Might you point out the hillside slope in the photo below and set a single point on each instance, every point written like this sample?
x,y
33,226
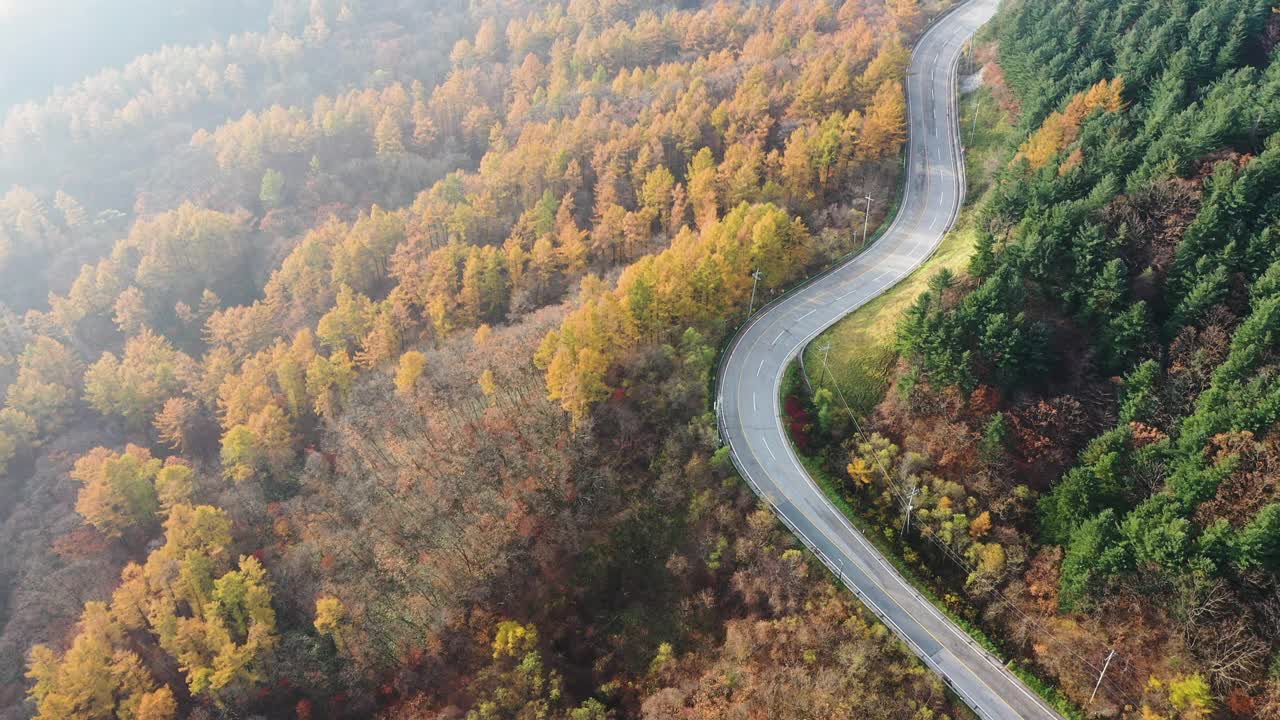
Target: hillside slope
x,y
1087,414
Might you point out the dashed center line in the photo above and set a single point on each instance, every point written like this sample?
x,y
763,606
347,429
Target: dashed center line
x,y
909,244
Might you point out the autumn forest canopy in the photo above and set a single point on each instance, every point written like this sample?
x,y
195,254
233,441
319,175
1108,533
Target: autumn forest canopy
x,y
356,359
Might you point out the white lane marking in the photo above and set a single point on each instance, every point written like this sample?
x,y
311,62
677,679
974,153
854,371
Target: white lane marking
x,y
928,608
808,314
842,544
872,281
753,403
761,366
775,340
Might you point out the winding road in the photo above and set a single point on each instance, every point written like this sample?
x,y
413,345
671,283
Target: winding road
x,y
751,377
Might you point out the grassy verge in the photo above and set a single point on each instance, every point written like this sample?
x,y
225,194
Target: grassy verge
x,y
862,353
988,135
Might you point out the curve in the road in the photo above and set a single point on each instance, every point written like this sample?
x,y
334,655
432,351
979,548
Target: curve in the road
x,y
748,400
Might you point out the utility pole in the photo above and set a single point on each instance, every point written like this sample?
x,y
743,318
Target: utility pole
x,y
825,348
755,280
911,499
977,108
1104,672
866,220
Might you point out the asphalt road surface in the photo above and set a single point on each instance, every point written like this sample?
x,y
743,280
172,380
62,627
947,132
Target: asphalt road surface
x,y
749,406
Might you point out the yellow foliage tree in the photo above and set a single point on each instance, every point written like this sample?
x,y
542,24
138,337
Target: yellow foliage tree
x,y
514,640
329,380
136,386
890,63
119,489
17,432
175,422
905,14
264,443
158,705
487,384
981,525
412,365
174,485
861,471
216,621
696,280
1191,696
1060,129
96,677
47,384
884,128
331,614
